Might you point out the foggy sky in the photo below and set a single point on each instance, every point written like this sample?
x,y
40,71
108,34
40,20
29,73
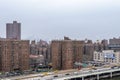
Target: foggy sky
x,y
54,19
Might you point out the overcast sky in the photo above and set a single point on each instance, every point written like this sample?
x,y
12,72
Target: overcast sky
x,y
54,19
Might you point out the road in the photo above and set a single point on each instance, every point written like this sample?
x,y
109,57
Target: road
x,y
61,75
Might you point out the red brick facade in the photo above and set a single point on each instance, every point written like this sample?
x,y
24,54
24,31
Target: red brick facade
x,y
65,53
14,54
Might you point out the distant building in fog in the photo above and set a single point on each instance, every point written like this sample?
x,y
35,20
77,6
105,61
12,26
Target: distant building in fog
x,y
88,50
14,55
114,44
101,45
40,50
13,30
114,41
104,44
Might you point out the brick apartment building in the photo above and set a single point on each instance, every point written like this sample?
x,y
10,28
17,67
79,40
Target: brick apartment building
x,y
14,55
65,53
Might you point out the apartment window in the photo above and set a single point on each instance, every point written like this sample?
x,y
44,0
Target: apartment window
x,y
98,56
95,56
112,60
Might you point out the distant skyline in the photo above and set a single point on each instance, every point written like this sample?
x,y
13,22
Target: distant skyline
x,y
54,19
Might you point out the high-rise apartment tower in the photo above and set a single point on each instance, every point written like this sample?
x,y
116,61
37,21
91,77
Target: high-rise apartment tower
x,y
13,30
14,55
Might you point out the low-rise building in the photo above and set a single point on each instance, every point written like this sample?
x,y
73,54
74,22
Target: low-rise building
x,y
108,56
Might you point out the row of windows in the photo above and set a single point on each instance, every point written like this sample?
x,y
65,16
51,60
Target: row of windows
x,y
100,56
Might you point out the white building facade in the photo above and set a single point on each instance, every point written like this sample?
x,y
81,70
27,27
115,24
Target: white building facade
x,y
108,56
